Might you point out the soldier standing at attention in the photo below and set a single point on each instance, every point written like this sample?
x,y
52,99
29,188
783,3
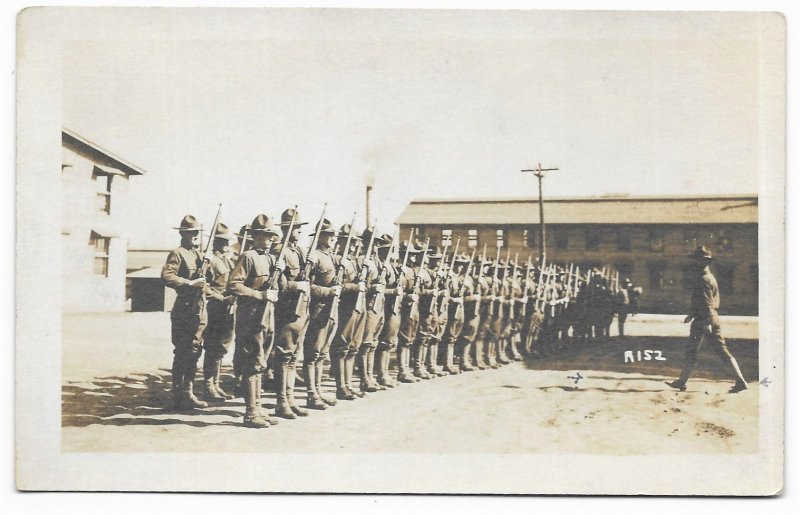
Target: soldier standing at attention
x,y
705,322
409,313
321,322
291,319
374,317
218,336
249,282
189,316
352,316
391,312
483,289
428,318
455,315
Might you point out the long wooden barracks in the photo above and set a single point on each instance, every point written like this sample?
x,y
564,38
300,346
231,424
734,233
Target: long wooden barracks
x,y
646,238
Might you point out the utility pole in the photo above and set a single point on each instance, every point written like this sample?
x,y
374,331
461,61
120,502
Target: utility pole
x,y
539,173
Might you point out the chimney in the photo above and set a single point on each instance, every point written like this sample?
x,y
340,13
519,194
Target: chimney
x,y
367,210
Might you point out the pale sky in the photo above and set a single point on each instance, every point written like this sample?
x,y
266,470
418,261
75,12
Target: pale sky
x,y
304,107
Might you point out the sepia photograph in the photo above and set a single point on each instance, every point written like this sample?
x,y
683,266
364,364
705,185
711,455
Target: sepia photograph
x,y
363,250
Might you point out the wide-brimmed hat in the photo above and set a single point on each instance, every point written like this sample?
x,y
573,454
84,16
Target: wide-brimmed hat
x,y
434,252
325,227
344,232
383,241
244,232
404,248
223,232
500,264
189,224
263,223
702,254
463,258
286,218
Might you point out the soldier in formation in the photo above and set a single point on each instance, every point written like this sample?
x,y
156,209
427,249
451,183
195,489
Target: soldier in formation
x,y
360,299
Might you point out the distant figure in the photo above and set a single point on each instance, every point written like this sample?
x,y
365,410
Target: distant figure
x,y
623,305
705,322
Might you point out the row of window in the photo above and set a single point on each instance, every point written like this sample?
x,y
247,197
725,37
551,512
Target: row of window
x,y
660,278
592,238
101,245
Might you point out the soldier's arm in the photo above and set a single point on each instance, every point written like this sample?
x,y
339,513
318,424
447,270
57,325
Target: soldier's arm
x,y
351,283
236,281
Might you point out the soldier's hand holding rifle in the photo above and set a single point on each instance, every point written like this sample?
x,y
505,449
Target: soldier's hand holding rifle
x,y
270,295
336,291
198,283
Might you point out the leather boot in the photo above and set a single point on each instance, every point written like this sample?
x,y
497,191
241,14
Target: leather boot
x,y
429,364
342,392
291,376
189,399
282,407
217,373
384,377
419,362
320,371
371,370
177,385
449,358
465,363
313,400
252,410
349,368
403,373
438,357
364,368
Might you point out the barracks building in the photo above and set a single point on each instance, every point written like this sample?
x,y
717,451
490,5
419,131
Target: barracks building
x,y
95,186
645,238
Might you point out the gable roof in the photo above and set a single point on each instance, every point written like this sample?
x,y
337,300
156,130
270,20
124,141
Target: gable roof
x,y
612,209
75,141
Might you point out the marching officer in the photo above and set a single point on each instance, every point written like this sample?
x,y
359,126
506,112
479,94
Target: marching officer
x,y
249,282
322,322
705,322
291,318
218,335
189,317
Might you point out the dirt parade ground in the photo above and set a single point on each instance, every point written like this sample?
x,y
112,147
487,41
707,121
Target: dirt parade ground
x,y
116,380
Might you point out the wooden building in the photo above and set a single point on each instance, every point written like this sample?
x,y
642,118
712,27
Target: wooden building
x,y
95,187
646,238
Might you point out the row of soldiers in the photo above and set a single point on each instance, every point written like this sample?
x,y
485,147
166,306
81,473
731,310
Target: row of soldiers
x,y
356,300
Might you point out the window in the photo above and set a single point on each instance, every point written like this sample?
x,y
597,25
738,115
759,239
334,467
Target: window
x,y
101,245
561,237
688,278
656,239
623,239
656,276
501,238
690,239
592,239
447,237
472,238
625,271
102,182
529,238
754,278
723,241
725,278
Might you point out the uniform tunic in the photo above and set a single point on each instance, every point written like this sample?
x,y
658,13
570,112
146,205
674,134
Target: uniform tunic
x,y
455,310
374,317
352,310
218,336
254,316
189,316
292,310
409,311
471,310
428,321
391,324
321,323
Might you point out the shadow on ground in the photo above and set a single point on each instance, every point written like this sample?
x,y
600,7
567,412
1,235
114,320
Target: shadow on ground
x,y
609,356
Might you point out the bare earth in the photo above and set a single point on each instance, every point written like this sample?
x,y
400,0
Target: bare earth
x,y
586,400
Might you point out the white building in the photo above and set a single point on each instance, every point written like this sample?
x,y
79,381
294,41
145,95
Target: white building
x,y
95,185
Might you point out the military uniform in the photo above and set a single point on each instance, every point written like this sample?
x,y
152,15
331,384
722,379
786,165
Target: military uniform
x,y
706,324
322,323
219,333
388,338
291,321
455,314
374,316
484,289
255,318
351,320
428,318
471,321
189,316
409,318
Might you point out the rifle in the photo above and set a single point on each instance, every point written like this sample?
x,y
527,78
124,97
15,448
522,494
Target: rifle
x,y
363,274
423,262
272,281
305,267
209,250
339,276
399,297
467,273
513,278
382,270
449,270
494,282
527,287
